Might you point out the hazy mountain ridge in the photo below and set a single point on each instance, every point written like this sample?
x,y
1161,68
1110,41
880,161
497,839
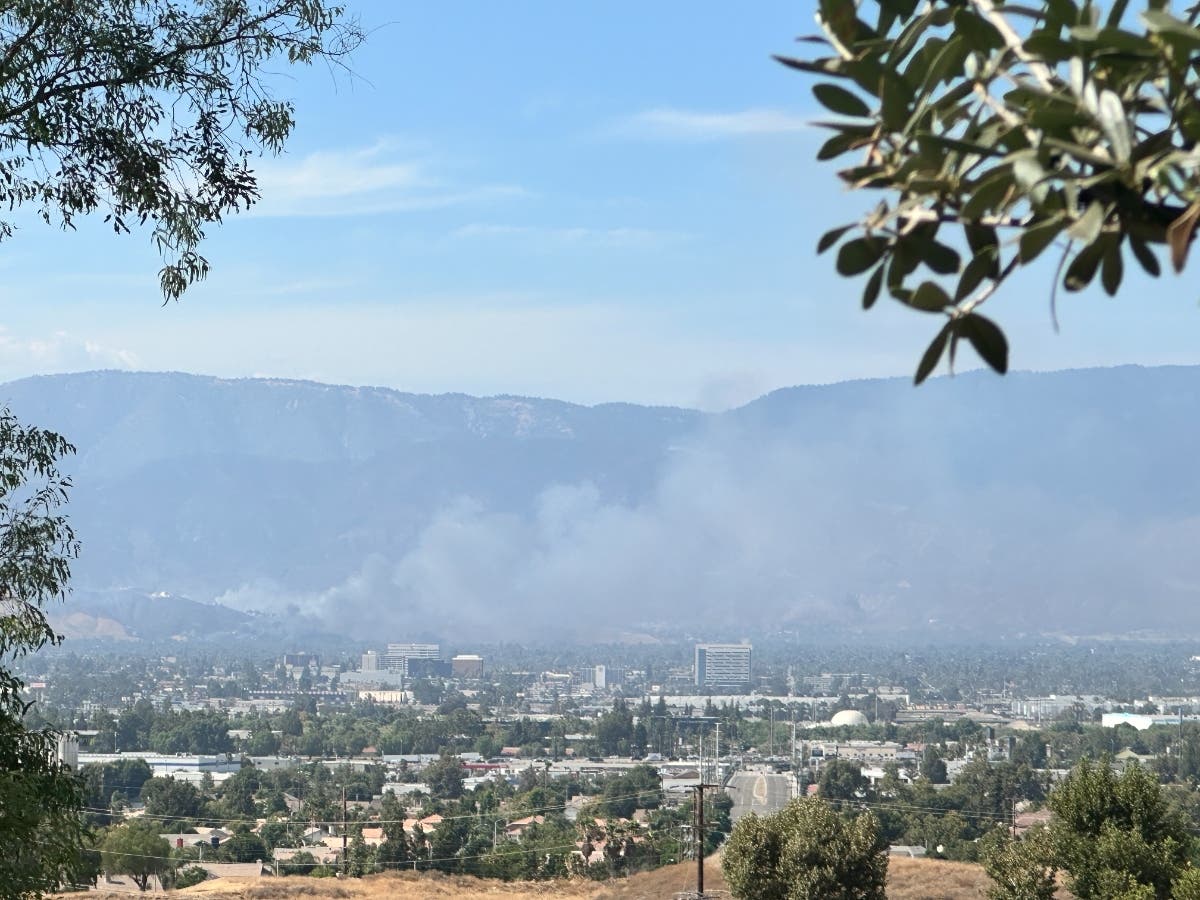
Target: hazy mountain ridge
x,y
1037,500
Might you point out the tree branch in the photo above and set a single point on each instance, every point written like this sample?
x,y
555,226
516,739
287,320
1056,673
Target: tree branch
x,y
1013,40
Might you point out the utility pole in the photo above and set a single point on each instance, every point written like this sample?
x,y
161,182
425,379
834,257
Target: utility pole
x,y
345,837
698,815
717,754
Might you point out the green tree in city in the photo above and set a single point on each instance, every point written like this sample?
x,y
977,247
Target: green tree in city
x,y
1114,837
1020,869
136,850
933,766
361,860
101,781
842,779
806,851
189,876
991,133
170,799
1117,833
243,847
445,777
301,863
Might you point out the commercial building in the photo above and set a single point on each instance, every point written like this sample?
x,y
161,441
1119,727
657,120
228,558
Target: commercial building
x,y
467,665
420,667
722,665
396,656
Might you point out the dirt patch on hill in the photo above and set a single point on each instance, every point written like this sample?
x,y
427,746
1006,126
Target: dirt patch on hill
x,y
908,879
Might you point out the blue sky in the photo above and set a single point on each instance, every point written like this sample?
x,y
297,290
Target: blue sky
x,y
591,201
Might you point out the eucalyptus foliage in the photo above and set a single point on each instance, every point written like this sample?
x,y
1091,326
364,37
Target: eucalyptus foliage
x,y
997,132
150,111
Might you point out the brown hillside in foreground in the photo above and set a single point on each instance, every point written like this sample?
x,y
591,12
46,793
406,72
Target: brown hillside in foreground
x,y
908,879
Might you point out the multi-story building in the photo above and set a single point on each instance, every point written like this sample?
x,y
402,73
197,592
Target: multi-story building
x,y
722,665
467,665
370,661
396,656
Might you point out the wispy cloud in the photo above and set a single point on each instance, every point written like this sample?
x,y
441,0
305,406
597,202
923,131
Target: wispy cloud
x,y
617,238
695,125
363,181
58,352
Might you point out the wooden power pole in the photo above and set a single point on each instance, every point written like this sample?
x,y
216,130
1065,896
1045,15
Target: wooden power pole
x,y
698,814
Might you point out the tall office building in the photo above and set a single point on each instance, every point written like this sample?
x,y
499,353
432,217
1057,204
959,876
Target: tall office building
x,y
467,665
370,661
723,665
396,656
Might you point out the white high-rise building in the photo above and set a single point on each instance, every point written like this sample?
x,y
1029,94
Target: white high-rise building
x,y
396,656
370,661
723,665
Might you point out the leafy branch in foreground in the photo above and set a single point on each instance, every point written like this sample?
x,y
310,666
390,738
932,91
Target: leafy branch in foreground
x,y
41,832
997,131
149,111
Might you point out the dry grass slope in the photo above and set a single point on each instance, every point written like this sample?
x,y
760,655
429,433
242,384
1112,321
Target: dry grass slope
x,y
908,879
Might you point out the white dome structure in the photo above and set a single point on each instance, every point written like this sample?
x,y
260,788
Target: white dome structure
x,y
848,717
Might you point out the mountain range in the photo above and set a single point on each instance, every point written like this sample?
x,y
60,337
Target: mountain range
x,y
975,504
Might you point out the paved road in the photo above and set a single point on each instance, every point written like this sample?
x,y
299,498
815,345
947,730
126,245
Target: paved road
x,y
758,792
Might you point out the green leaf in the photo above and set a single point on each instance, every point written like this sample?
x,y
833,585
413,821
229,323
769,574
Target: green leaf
x,y
951,143
1116,40
907,39
1048,47
983,265
1087,227
988,194
829,238
841,19
1116,12
905,259
858,255
1056,116
849,139
941,259
932,354
929,297
896,99
1038,237
1112,269
831,66
948,60
1145,256
841,101
1027,171
979,34
871,291
987,339
1159,21
1060,13
981,238
1083,267
1111,114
